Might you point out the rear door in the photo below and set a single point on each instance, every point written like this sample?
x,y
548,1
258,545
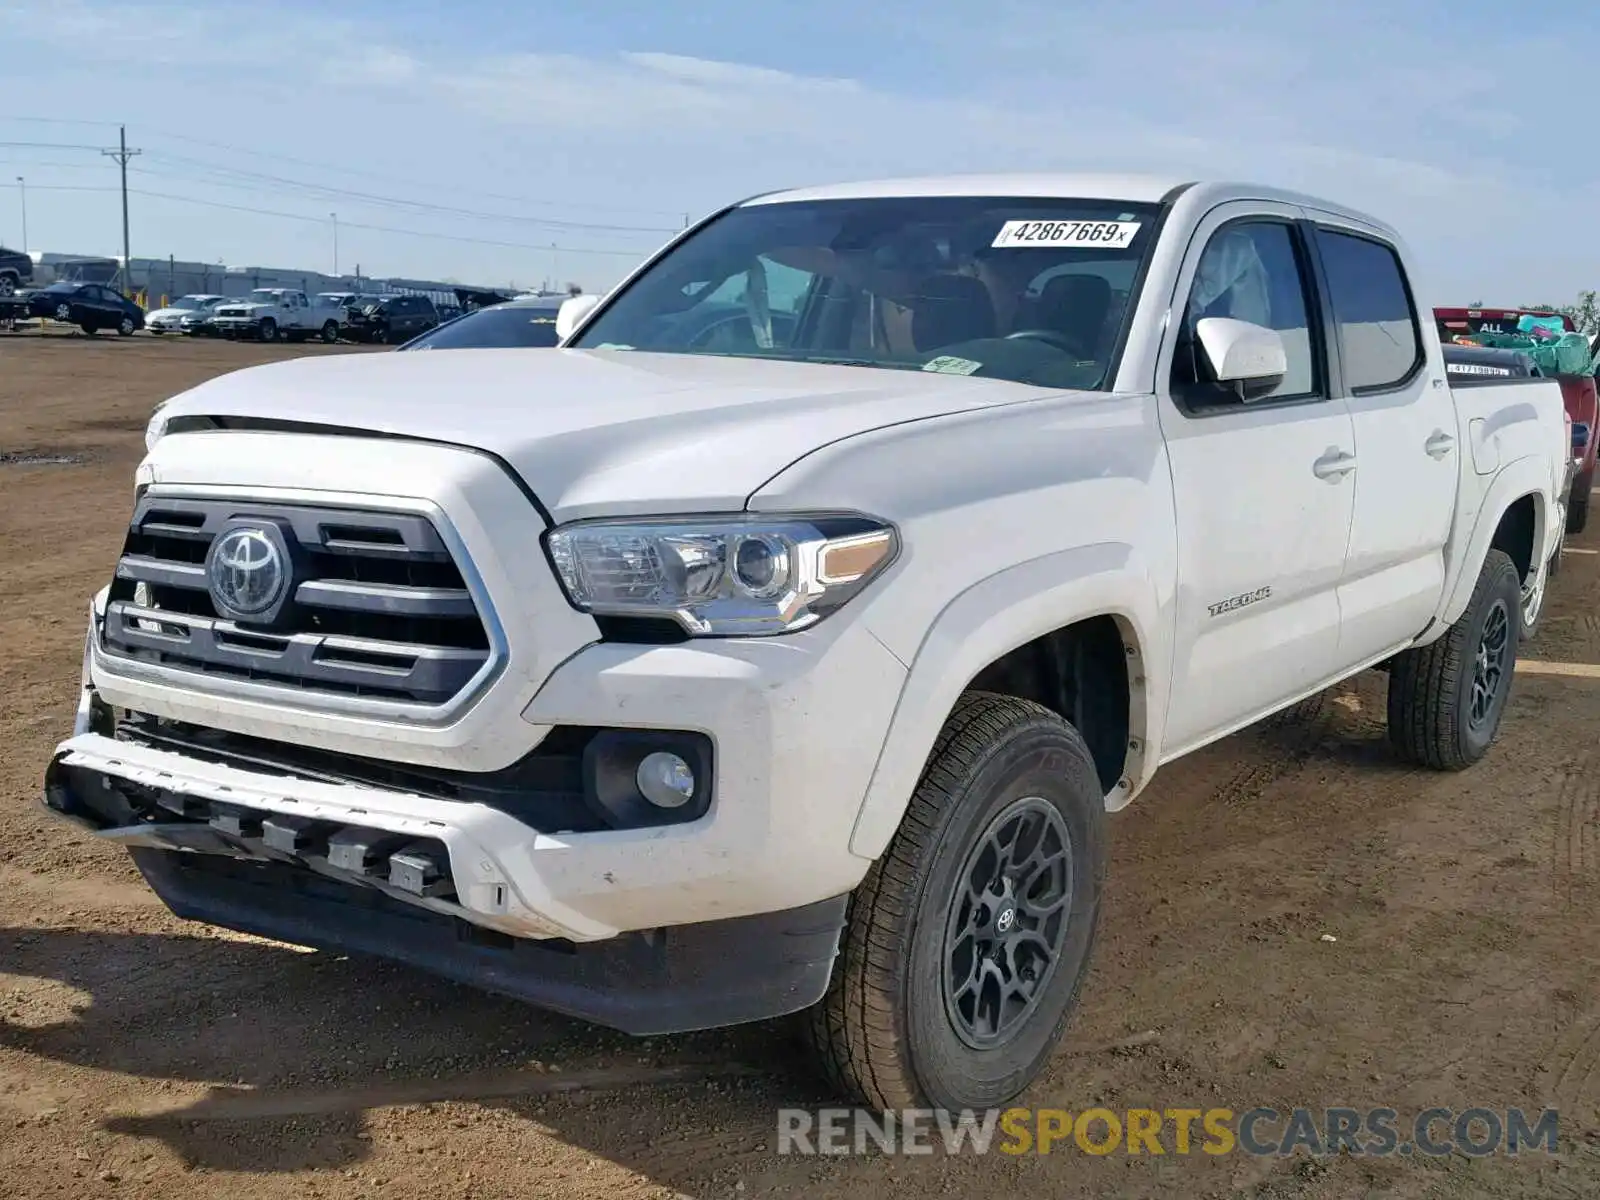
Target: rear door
x,y
1407,446
1262,494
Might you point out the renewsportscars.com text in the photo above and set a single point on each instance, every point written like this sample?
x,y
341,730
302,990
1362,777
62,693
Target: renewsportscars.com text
x,y
1381,1132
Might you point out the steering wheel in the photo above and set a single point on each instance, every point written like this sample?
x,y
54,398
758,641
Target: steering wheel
x,y
1050,337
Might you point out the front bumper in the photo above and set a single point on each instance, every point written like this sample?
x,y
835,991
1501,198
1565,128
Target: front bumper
x,y
236,326
796,725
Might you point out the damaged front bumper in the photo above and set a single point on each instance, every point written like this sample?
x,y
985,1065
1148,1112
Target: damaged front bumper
x,y
272,857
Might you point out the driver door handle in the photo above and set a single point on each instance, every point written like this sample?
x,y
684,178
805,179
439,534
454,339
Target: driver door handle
x,y
1440,444
1334,465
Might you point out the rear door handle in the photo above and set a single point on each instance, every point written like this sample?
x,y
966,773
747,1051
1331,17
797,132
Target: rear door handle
x,y
1334,465
1440,444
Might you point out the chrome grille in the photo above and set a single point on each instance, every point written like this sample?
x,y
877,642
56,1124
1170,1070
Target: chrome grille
x,y
377,605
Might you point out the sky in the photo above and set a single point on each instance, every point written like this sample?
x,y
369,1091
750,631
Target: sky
x,y
523,141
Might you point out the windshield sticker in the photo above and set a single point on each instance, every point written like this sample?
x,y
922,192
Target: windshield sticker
x,y
613,346
1101,235
949,364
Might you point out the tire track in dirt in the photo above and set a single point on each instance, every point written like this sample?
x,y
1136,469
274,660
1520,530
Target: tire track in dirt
x,y
1564,1076
1572,848
1277,748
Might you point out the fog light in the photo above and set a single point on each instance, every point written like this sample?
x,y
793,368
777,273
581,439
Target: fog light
x,y
665,780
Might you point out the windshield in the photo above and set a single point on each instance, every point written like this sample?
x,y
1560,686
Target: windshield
x,y
503,327
1030,290
192,303
260,296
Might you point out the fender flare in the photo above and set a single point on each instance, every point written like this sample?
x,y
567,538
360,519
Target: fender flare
x,y
1521,477
993,617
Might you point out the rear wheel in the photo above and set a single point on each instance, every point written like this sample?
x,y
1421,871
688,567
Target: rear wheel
x,y
967,942
330,332
1446,699
1578,502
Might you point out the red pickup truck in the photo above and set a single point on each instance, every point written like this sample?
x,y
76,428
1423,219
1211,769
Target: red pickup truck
x,y
1579,392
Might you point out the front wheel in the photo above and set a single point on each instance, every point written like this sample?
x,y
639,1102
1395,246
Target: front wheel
x,y
967,942
125,327
1446,699
269,330
330,332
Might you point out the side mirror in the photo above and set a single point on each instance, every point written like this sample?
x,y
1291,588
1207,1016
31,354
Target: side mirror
x,y
571,314
1249,357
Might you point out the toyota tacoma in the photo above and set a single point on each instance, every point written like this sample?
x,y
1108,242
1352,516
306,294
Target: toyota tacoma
x,y
782,641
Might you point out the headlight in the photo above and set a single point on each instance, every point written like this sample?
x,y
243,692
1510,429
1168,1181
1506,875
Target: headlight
x,y
742,575
156,427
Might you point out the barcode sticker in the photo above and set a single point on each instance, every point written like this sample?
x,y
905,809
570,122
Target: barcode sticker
x,y
1100,235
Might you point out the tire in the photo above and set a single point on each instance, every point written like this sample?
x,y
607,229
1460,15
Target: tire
x,y
888,1033
8,284
63,312
1578,502
330,333
1433,721
269,330
125,327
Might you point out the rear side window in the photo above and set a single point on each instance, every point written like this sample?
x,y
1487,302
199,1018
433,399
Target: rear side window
x,y
1378,327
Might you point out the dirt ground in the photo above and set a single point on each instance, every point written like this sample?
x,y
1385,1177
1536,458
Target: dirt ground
x,y
145,1056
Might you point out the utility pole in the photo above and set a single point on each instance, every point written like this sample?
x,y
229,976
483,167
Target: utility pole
x,y
22,187
122,154
335,217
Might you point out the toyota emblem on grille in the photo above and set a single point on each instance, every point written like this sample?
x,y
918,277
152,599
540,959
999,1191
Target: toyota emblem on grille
x,y
247,573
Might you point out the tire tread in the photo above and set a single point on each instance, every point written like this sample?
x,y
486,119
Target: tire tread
x,y
853,1031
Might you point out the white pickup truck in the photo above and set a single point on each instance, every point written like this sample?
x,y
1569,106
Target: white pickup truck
x,y
273,313
780,643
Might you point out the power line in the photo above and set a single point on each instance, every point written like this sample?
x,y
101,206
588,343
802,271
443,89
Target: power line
x,y
447,237
394,201
59,121
383,178
288,216
48,146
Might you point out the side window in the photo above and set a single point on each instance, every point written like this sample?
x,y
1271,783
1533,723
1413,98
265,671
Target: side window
x,y
1250,271
1378,328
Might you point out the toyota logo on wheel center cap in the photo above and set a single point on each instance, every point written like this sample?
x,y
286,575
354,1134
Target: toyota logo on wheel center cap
x,y
246,573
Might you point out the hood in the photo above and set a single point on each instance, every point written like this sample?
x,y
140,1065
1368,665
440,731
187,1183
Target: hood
x,y
595,432
244,305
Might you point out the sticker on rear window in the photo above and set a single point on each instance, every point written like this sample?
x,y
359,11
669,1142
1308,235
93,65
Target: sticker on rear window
x,y
1102,235
949,364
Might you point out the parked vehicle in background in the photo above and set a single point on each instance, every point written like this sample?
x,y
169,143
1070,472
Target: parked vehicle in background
x,y
271,314
1579,392
16,271
695,673
170,318
90,306
517,323
390,320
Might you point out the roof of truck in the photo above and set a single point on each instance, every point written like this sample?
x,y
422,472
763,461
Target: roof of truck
x,y
1133,188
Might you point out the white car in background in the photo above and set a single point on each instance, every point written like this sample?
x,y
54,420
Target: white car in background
x,y
170,319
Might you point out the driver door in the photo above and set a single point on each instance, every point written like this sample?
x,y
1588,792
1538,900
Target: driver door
x,y
1262,500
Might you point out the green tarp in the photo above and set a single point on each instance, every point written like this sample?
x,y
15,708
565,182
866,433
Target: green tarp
x,y
1565,355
